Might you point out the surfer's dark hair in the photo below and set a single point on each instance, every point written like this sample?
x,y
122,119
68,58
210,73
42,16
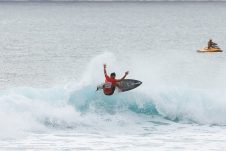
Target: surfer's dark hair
x,y
113,74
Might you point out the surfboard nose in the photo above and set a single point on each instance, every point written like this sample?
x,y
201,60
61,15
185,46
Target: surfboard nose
x,y
137,83
129,84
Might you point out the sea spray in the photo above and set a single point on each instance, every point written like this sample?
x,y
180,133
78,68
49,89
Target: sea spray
x,y
78,106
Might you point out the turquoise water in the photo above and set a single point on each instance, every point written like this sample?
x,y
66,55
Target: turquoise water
x,y
51,61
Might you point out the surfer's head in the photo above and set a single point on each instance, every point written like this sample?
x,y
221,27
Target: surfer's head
x,y
113,75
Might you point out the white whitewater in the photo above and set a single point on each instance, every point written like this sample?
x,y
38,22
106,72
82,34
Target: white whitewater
x,y
51,63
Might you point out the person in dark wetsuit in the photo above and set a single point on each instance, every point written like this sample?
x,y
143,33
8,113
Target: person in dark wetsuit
x,y
111,82
211,44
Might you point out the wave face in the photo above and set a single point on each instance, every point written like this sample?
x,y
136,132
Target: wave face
x,y
78,106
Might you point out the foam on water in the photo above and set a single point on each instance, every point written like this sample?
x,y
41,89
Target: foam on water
x,y
78,106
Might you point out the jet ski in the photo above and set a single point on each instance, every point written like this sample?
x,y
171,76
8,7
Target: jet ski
x,y
211,49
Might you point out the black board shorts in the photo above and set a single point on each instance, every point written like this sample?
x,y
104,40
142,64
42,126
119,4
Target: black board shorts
x,y
112,91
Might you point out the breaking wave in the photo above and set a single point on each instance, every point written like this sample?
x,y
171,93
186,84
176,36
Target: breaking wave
x,y
79,106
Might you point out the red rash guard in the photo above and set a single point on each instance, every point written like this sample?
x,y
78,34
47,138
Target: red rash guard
x,y
108,84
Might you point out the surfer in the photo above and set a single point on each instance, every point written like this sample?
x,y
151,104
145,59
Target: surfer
x,y
211,44
111,82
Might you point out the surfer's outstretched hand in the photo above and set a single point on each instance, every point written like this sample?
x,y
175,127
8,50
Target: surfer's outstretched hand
x,y
105,65
127,72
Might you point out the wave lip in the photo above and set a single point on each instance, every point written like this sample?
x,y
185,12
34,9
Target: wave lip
x,y
192,106
81,109
86,99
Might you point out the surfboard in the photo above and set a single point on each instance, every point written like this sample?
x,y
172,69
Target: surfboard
x,y
129,84
125,85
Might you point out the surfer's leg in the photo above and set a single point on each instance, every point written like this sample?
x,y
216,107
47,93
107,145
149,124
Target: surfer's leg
x,y
100,86
113,89
111,92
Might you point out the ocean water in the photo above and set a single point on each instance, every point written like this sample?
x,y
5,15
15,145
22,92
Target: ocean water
x,y
51,61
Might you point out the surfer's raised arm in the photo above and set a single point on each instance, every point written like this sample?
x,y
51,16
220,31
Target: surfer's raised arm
x,y
126,73
105,71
